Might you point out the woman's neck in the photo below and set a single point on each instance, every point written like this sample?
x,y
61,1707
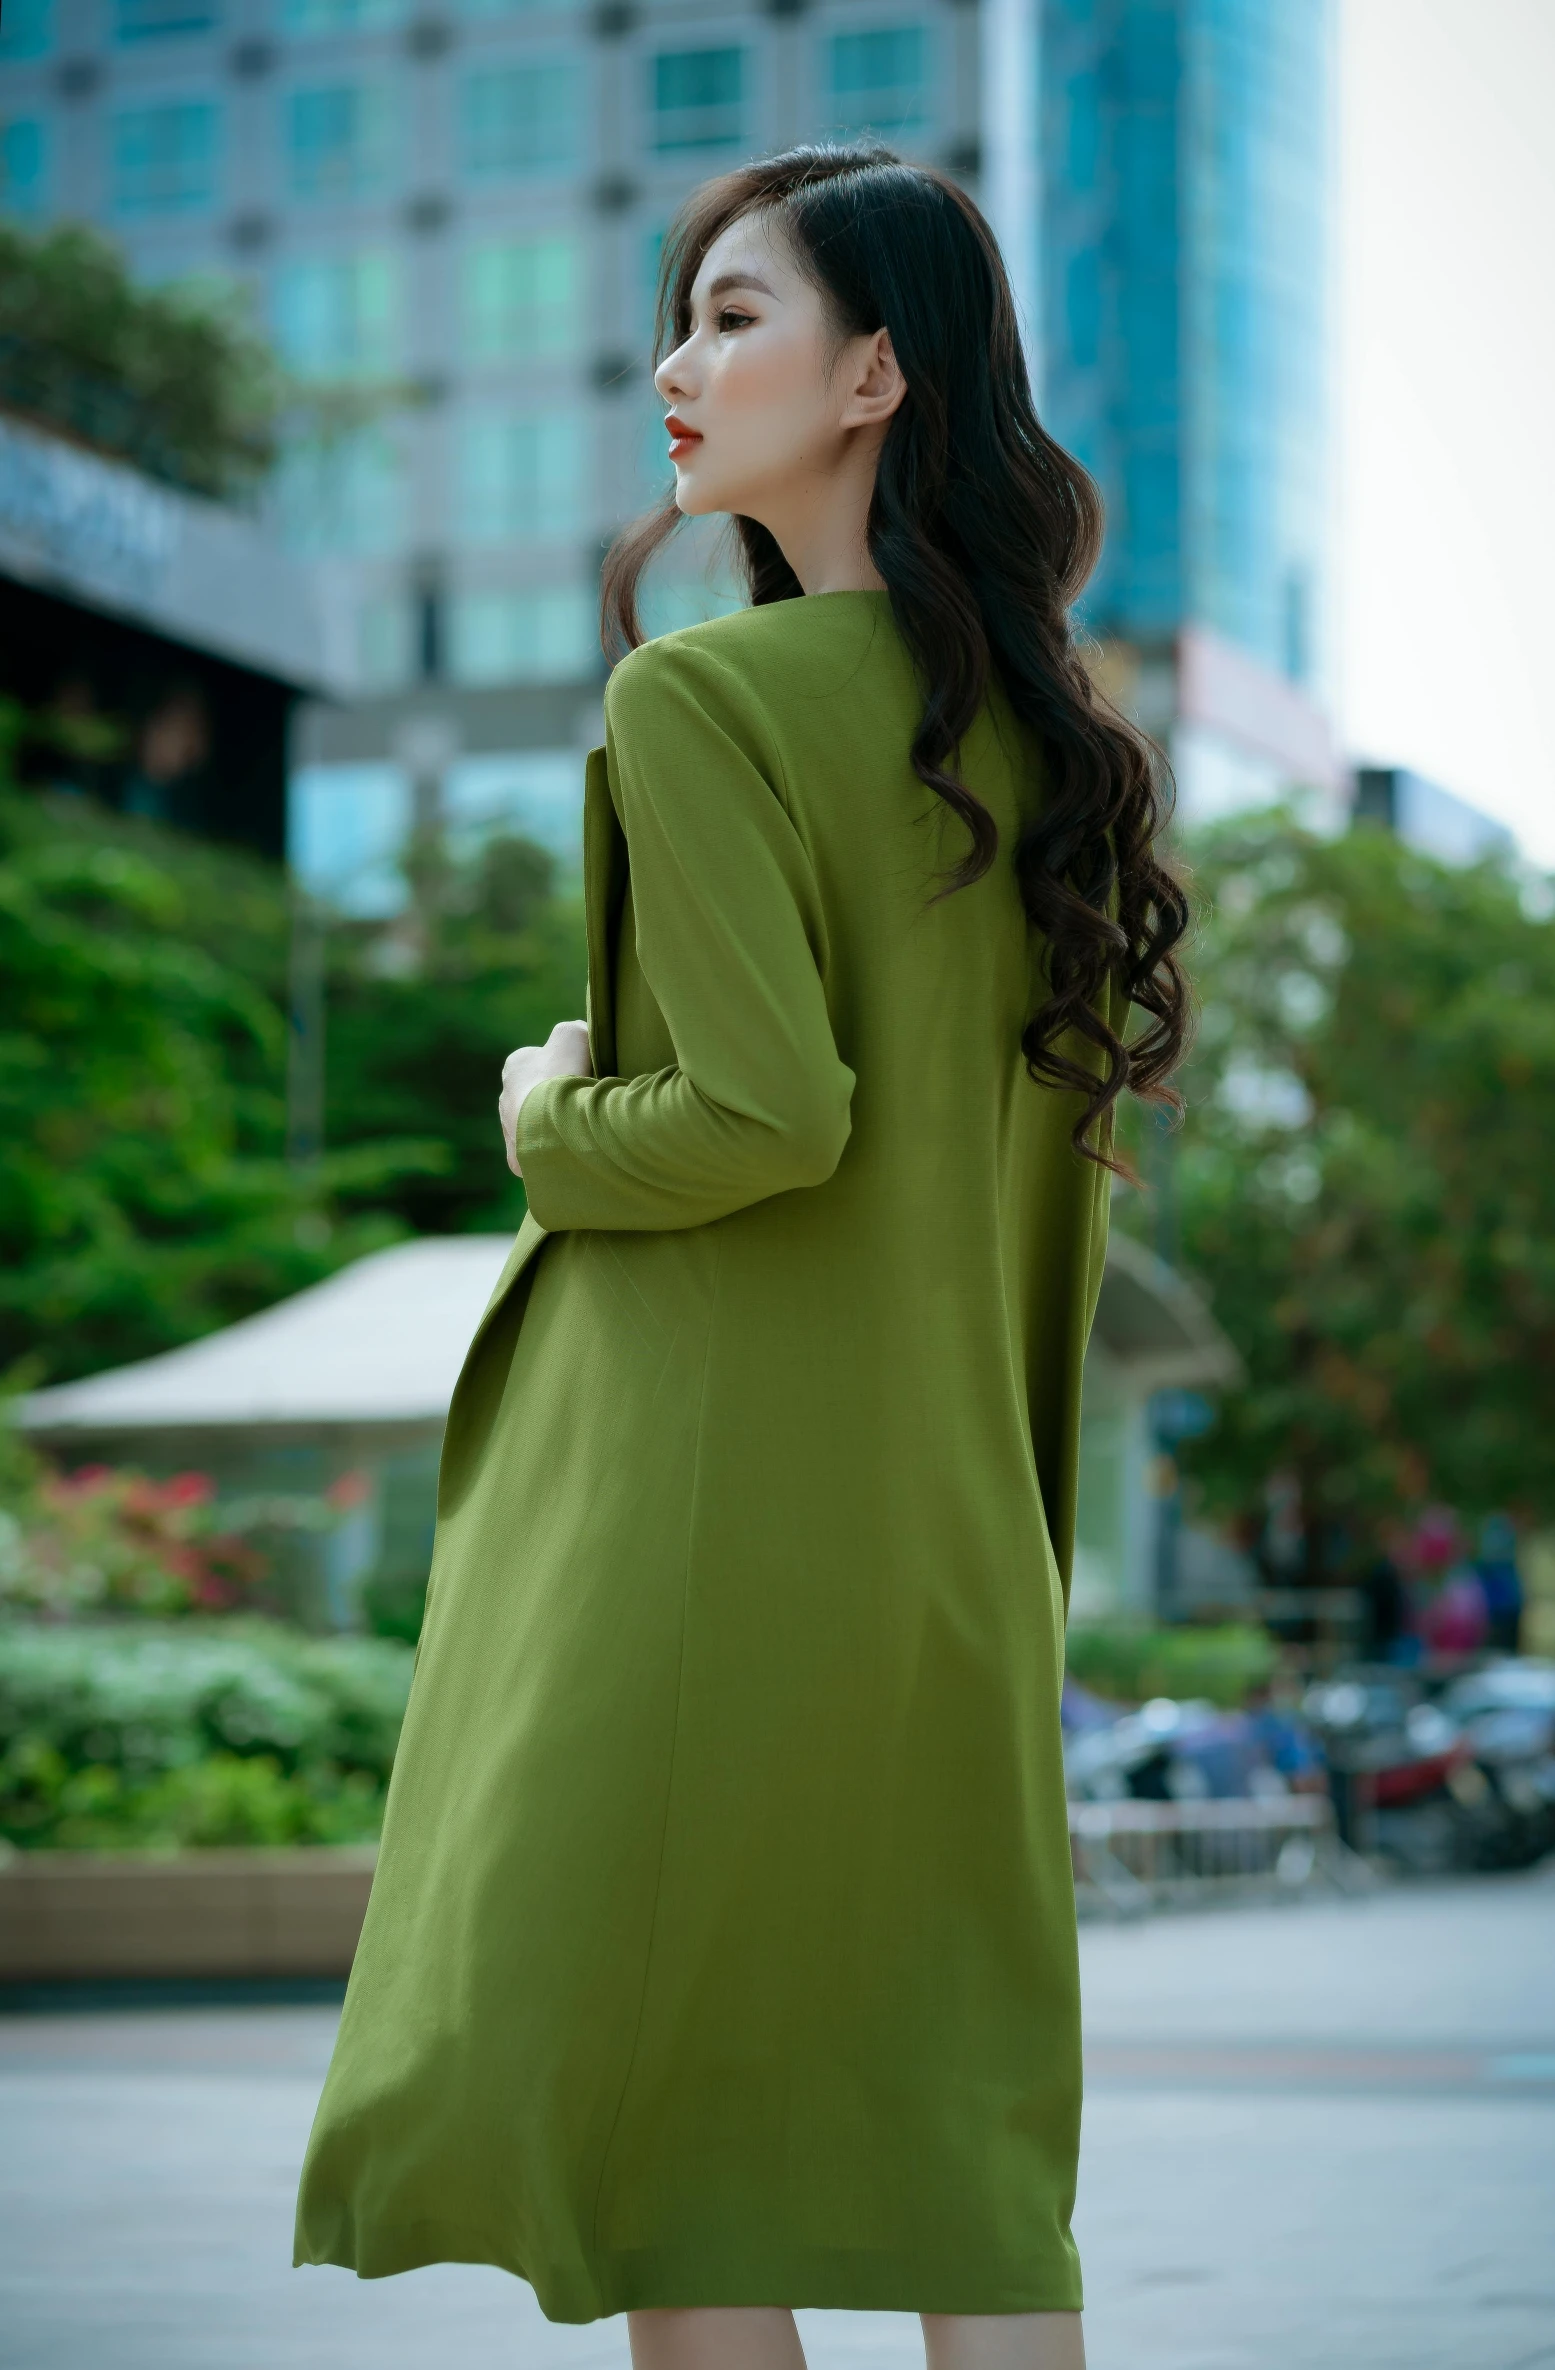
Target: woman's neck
x,y
824,532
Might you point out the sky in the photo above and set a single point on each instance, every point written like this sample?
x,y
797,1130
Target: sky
x,y
1445,592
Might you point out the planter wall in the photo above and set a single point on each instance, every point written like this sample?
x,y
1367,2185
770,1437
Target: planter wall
x,y
75,1914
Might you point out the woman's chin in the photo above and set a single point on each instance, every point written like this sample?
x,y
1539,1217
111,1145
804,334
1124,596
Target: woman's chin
x,y
692,500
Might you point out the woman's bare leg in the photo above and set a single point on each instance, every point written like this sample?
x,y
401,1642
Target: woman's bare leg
x,y
715,2337
1003,2341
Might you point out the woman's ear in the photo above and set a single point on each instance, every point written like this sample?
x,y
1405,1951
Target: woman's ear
x,y
876,385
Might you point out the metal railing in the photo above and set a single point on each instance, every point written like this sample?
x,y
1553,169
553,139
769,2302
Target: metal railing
x,y
48,388
1131,1857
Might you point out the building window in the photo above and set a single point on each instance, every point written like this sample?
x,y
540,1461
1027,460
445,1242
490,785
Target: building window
x,y
666,604
385,656
343,494
346,826
877,80
519,119
522,300
26,28
164,158
535,794
698,98
314,17
653,473
520,480
337,140
24,165
337,316
513,637
1082,307
651,253
501,8
156,20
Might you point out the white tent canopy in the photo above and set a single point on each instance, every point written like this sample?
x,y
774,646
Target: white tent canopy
x,y
381,1344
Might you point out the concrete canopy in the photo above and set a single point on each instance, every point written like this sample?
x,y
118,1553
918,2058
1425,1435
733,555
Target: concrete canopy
x,y
200,574
378,1345
1156,1324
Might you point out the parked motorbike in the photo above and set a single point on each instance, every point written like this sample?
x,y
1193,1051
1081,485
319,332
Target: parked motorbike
x,y
1461,1779
1505,1713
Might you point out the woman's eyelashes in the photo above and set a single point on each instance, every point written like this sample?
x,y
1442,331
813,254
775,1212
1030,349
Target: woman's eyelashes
x,y
732,318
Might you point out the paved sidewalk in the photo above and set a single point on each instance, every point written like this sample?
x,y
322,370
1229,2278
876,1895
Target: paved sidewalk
x,y
1318,2137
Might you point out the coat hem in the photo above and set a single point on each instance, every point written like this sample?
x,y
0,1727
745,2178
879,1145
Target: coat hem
x,y
640,2279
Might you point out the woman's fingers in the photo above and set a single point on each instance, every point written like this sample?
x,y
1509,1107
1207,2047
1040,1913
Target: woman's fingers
x,y
570,1042
565,1054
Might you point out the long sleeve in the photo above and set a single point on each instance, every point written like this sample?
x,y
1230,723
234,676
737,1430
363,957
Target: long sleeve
x,y
730,938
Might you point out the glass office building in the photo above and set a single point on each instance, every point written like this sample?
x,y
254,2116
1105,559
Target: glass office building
x,y
451,211
1185,203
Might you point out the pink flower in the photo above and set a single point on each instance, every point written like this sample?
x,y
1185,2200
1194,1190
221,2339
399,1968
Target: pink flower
x,y
188,1489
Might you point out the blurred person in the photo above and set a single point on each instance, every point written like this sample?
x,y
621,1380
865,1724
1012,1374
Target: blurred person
x,y
721,1957
1502,1583
1436,1543
1457,1619
1384,1610
1284,1739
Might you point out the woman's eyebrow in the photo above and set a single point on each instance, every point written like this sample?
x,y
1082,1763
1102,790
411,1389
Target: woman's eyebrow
x,y
727,280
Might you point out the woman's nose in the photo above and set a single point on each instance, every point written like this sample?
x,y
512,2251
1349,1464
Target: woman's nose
x,y
672,376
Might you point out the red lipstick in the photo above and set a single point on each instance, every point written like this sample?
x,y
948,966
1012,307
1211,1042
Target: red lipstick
x,y
683,440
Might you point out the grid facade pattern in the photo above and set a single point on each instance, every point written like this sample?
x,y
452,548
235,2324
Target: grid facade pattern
x,y
455,211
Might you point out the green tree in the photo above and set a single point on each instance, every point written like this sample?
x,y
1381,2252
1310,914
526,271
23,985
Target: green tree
x,y
423,1012
1365,1180
176,379
144,1195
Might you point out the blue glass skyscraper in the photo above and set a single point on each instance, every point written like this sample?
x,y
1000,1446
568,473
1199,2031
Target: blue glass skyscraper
x,y
1185,186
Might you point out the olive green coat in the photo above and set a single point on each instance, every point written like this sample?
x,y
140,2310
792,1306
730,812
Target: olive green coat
x,y
722,1944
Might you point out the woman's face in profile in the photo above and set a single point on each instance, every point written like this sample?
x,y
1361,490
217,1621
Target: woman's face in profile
x,y
758,392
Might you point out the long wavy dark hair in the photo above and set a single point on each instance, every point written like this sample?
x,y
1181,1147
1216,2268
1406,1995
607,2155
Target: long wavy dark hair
x,y
984,531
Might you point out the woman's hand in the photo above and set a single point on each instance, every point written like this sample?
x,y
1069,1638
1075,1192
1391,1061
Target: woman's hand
x,y
565,1054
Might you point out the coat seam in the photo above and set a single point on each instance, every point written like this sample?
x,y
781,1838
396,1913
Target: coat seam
x,y
669,1788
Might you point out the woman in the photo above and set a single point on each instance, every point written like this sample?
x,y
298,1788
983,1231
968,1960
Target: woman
x,y
721,1956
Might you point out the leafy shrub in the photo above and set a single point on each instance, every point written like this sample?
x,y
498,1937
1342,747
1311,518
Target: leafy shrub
x,y
1130,1665
394,1605
149,1734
